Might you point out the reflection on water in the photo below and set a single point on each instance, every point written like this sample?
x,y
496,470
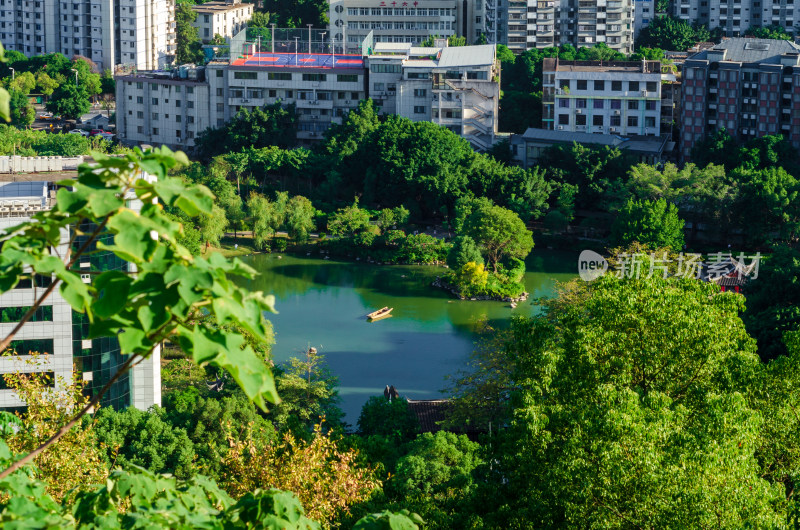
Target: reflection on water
x,y
323,304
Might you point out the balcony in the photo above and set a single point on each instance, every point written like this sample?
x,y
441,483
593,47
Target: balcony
x,y
314,103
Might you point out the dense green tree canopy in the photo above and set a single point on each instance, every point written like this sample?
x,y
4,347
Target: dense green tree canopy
x,y
274,125
499,233
653,223
188,46
669,33
69,101
22,113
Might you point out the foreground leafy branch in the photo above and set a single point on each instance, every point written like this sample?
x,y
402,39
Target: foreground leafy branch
x,y
171,289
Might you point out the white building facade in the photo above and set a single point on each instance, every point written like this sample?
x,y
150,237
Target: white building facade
x,y
221,18
140,33
411,22
456,87
577,22
56,333
617,98
737,16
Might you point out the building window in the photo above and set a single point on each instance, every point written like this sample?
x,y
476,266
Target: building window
x,y
190,104
563,103
649,121
140,114
315,77
419,110
420,92
650,105
155,130
599,85
563,119
633,121
279,76
597,119
177,118
598,103
633,104
219,73
15,314
652,86
245,75
616,86
580,103
616,104
615,121
582,84
347,78
580,119
378,86
155,101
633,85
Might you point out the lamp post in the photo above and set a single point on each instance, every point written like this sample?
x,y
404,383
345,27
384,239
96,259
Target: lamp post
x,y
273,37
12,74
309,38
295,50
76,76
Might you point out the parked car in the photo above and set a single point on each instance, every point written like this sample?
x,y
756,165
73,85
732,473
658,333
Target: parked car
x,y
45,116
79,131
107,136
95,132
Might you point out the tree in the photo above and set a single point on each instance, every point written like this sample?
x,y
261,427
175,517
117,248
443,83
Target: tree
x,y
499,233
266,216
212,225
163,300
69,101
297,13
654,223
189,46
463,251
325,477
773,31
107,83
45,83
218,40
144,439
773,302
299,218
615,400
273,125
348,221
22,113
768,204
390,418
669,33
23,82
78,464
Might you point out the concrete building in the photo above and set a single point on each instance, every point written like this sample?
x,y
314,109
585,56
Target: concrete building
x,y
751,87
411,22
620,98
140,33
546,23
527,148
56,332
458,87
737,16
221,18
163,109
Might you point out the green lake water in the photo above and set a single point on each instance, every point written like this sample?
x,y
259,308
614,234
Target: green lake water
x,y
323,303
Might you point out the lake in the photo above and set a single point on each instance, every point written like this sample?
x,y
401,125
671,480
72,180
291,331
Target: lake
x,y
323,303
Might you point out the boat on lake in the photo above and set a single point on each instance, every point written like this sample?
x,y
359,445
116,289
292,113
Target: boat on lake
x,y
380,313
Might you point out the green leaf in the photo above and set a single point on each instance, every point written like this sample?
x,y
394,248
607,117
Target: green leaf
x,y
134,340
112,293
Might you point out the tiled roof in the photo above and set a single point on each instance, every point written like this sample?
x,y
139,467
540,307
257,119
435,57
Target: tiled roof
x,y
430,413
742,50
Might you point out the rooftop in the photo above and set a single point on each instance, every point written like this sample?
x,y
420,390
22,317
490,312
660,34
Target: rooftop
x,y
218,7
299,60
648,67
431,57
747,50
640,144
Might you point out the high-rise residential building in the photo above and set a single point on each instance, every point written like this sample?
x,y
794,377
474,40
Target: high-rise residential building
x,y
621,98
749,87
737,16
412,22
140,33
456,87
225,19
577,22
56,332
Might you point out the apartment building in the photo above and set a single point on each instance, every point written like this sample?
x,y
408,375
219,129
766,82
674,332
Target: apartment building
x,y
412,22
750,87
161,109
621,98
458,87
140,33
737,16
221,18
56,332
546,23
